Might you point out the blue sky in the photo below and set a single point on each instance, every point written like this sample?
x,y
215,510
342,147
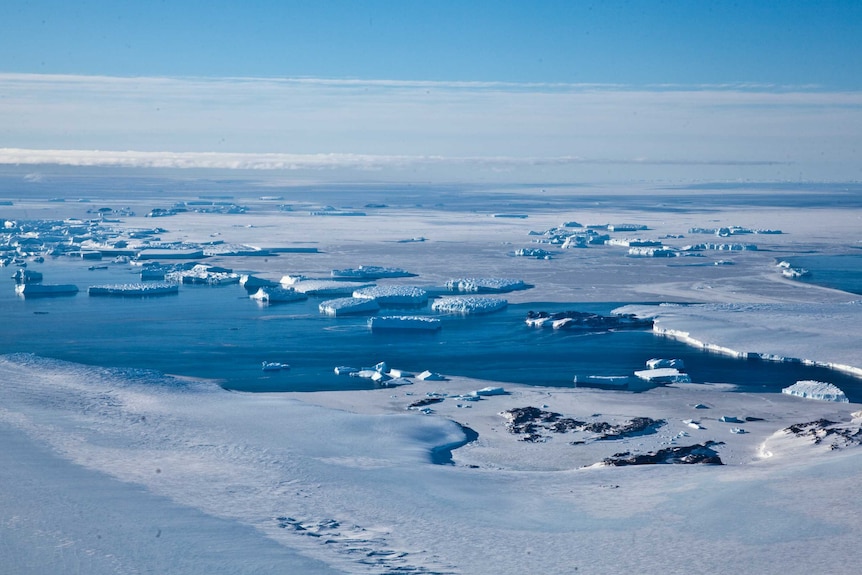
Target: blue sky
x,y
764,90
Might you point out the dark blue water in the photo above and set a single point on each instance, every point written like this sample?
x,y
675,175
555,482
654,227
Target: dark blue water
x,y
217,332
842,272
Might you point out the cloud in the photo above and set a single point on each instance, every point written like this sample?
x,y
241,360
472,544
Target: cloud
x,y
314,123
251,161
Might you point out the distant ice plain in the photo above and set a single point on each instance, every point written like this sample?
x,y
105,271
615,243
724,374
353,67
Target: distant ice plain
x,y
353,468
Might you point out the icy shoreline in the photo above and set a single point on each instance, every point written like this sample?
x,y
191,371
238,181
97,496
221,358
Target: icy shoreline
x,y
813,334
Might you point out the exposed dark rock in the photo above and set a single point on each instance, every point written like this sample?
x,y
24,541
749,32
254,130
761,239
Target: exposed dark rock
x,y
690,454
532,420
586,320
637,426
426,401
823,429
566,424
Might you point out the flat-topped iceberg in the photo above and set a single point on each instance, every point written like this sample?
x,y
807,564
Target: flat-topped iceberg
x,y
135,289
348,305
663,375
490,285
404,322
602,381
820,390
45,290
23,276
277,295
327,287
468,304
393,295
202,274
658,363
370,272
251,282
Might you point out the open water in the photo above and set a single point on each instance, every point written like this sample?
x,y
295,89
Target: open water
x,y
219,333
842,272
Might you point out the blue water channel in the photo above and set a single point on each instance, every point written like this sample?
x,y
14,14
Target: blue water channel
x,y
219,333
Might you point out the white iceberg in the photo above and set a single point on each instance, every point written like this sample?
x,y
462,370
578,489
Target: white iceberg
x,y
493,285
468,304
326,287
602,381
488,391
135,289
658,363
820,390
663,375
348,305
393,295
370,272
430,376
277,295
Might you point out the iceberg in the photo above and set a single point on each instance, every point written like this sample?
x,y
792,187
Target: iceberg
x,y
468,304
603,381
348,305
251,282
820,390
23,276
277,295
404,322
370,272
489,391
430,376
45,290
658,363
204,275
393,295
327,287
663,375
135,289
488,285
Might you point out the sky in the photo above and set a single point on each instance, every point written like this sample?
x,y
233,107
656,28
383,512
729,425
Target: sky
x,y
563,90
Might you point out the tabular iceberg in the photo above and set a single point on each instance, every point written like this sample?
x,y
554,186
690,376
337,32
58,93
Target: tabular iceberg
x,y
468,304
810,389
348,305
663,375
135,289
370,272
492,285
277,295
393,295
